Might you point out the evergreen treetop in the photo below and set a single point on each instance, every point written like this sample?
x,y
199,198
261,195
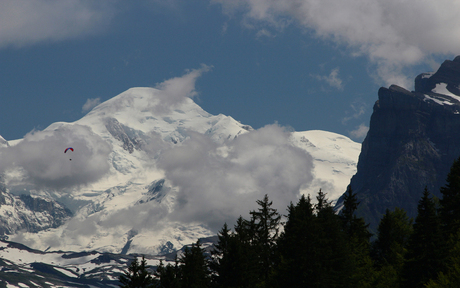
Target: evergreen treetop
x,y
137,275
424,258
450,202
194,267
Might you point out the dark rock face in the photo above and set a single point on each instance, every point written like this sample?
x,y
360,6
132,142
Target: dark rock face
x,y
131,139
448,73
412,142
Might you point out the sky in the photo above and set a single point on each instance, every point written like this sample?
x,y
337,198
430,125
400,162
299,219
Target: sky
x,y
304,64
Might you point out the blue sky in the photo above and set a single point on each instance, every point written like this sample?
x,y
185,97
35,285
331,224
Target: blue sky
x,y
301,63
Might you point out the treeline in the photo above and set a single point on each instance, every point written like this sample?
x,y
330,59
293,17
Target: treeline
x,y
318,247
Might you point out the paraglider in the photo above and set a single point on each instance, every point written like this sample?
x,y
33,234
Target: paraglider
x,y
67,149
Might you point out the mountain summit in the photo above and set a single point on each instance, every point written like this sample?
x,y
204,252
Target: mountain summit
x,y
151,171
412,142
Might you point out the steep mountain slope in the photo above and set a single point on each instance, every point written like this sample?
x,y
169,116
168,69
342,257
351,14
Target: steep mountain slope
x,y
335,159
3,142
148,176
412,142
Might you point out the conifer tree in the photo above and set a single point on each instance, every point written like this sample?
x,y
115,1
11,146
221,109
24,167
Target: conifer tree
x,y
334,267
246,257
358,237
313,250
245,230
451,277
390,247
425,255
296,245
227,262
137,275
266,221
322,203
393,234
194,267
353,226
168,276
450,202
221,262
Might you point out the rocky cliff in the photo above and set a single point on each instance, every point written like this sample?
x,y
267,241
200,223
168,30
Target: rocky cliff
x,y
412,142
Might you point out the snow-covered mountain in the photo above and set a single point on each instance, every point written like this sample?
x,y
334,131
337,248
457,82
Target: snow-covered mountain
x,y
147,175
25,267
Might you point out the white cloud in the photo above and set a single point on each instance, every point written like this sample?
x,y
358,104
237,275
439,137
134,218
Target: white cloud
x,y
177,89
90,104
332,79
40,155
224,28
393,34
360,132
264,33
24,22
218,183
358,108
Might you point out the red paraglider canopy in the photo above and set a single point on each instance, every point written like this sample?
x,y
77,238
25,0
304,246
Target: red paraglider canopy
x,y
70,148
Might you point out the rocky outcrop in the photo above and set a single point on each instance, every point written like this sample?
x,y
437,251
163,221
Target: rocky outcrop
x,y
449,73
128,137
411,144
28,213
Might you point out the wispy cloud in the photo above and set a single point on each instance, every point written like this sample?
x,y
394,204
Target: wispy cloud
x,y
360,132
177,89
90,104
224,28
264,33
332,79
357,109
392,34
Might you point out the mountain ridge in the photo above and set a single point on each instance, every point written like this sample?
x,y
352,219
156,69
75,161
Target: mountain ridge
x,y
126,183
411,144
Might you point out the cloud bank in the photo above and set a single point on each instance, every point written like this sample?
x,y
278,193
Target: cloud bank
x,y
392,34
218,183
40,155
24,22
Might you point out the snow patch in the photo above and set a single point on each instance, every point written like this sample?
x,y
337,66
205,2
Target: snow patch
x,y
441,88
438,101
